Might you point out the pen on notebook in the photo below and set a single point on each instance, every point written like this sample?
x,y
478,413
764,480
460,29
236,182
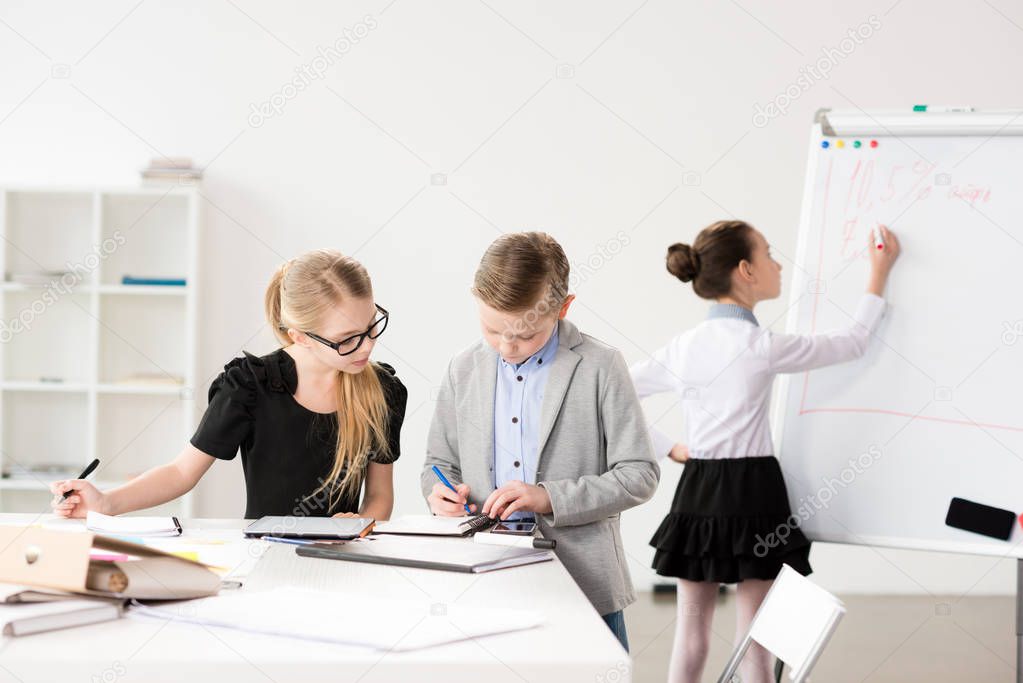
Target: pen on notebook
x,y
444,480
86,472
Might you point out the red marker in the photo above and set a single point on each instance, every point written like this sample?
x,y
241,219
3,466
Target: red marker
x,y
873,143
1021,520
879,242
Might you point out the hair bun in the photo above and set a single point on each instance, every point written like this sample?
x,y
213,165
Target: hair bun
x,y
683,262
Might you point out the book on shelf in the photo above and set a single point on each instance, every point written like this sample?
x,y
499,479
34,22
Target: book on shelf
x,y
171,168
39,277
154,281
38,471
155,379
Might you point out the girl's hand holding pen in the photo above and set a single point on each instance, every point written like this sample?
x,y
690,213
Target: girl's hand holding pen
x,y
84,497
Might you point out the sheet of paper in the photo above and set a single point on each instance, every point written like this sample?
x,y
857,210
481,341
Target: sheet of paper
x,y
383,623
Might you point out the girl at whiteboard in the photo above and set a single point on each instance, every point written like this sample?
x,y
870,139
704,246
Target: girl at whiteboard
x,y
316,421
730,518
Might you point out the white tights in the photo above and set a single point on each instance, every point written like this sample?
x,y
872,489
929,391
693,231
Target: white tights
x,y
696,600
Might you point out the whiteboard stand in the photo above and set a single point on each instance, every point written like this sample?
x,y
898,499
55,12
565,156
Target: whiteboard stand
x,y
933,176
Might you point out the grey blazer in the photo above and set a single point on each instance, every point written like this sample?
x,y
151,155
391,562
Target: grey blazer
x,y
595,457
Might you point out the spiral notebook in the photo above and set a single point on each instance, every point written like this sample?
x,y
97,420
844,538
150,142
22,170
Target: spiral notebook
x,y
431,525
132,526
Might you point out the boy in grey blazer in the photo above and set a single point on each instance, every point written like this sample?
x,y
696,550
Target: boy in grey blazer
x,y
565,443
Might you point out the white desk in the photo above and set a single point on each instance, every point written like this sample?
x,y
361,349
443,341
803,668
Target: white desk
x,y
574,644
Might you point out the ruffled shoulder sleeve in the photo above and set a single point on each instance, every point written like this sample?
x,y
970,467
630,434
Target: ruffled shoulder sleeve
x,y
396,397
228,420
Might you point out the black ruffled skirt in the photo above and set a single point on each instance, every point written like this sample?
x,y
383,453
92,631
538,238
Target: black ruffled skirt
x,y
730,520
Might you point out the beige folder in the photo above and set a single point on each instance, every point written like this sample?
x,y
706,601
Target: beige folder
x,y
47,558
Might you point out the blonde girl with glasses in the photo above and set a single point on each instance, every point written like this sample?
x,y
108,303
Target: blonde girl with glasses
x,y
316,421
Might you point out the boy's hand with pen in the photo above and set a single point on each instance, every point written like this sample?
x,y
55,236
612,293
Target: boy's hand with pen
x,y
449,503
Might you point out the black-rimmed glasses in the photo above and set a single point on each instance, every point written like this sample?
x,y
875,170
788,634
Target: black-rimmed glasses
x,y
350,345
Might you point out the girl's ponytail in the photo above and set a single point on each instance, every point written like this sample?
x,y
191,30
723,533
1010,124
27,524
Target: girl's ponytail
x,y
273,302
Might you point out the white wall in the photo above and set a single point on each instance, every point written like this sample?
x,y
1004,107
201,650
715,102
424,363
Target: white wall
x,y
648,133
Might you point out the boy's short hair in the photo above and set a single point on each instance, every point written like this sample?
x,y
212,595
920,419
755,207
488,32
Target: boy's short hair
x,y
522,270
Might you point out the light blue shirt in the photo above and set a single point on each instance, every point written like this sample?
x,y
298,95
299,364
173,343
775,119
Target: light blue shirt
x,y
733,311
518,399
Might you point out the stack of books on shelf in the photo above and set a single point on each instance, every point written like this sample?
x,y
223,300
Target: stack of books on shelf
x,y
171,169
39,277
37,471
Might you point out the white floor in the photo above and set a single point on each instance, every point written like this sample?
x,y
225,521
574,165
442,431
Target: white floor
x,y
880,640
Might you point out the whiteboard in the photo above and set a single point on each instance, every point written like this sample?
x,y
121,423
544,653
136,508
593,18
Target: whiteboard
x,y
873,450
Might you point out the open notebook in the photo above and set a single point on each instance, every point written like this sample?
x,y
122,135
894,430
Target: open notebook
x,y
431,525
132,526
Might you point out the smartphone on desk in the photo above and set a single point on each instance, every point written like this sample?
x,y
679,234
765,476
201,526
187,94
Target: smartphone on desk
x,y
515,528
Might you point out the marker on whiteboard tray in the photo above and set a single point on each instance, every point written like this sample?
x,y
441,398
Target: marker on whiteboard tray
x,y
940,109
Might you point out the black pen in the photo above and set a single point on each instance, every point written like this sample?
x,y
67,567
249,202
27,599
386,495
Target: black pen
x,y
86,472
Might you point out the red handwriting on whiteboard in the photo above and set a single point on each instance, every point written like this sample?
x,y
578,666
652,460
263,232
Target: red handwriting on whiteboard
x,y
889,192
971,194
848,237
852,184
921,169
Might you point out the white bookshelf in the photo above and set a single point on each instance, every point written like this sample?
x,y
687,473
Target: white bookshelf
x,y
97,369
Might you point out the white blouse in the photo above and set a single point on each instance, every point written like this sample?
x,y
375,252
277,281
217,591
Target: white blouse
x,y
723,370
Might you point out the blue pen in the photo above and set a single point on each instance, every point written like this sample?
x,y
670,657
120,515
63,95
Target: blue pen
x,y
289,541
444,480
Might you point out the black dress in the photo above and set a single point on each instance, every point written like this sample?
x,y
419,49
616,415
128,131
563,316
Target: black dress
x,y
287,450
730,520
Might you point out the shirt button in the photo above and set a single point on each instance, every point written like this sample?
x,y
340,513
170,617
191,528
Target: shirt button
x,y
515,420
539,361
519,378
516,463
